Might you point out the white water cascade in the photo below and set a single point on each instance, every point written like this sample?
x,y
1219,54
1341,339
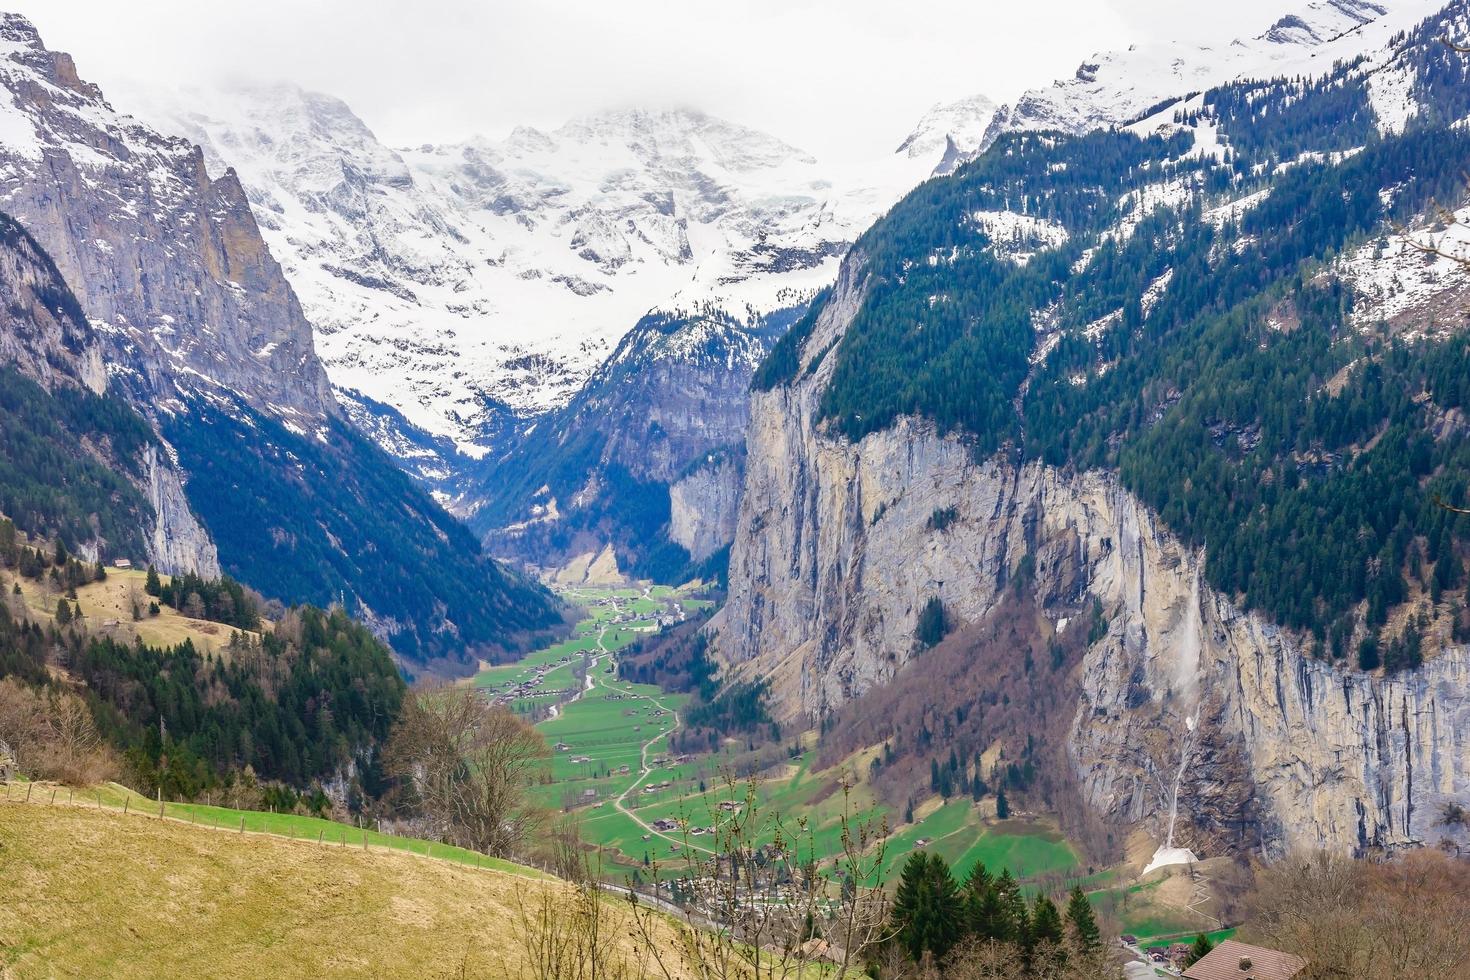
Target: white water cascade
x,y
1187,670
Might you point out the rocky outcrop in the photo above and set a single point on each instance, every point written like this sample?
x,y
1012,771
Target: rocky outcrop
x,y
43,334
839,545
45,337
704,505
642,456
178,542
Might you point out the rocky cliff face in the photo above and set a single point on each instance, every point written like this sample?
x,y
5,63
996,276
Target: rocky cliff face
x,y
642,456
839,545
704,505
177,542
166,262
44,336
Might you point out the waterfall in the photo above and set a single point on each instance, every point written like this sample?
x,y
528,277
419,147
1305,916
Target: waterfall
x,y
1186,675
1189,725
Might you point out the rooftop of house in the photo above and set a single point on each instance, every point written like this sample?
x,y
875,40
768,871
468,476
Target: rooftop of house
x,y
1232,960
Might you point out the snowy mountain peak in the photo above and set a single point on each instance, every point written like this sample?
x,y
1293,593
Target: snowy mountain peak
x,y
1120,86
963,123
470,284
1322,22
685,134
168,263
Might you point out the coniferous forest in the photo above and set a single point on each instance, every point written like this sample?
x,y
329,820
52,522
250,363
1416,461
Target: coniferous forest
x,y
1244,403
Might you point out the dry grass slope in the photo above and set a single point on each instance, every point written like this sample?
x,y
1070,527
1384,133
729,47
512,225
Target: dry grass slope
x,y
89,893
111,601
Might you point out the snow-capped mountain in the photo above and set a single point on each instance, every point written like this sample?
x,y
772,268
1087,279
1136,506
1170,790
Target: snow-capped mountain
x,y
950,131
464,285
241,456
1120,87
152,244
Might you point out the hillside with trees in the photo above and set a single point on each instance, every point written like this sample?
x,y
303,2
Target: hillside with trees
x,y
1214,354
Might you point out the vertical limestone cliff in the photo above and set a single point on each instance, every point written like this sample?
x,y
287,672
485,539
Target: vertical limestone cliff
x,y
178,542
167,262
704,504
839,545
45,337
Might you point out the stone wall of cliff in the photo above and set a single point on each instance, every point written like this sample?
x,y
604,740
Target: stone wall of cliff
x,y
839,545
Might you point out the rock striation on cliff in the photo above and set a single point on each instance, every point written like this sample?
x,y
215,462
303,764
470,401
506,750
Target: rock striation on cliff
x,y
838,546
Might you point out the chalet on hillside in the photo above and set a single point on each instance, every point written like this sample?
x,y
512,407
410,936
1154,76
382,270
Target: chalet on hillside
x,y
1233,960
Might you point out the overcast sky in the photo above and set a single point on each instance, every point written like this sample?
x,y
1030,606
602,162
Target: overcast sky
x,y
836,77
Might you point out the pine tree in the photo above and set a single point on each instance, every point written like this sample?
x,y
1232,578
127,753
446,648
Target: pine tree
x,y
1085,933
1002,805
1199,950
63,613
1046,922
152,585
1014,921
909,905
927,908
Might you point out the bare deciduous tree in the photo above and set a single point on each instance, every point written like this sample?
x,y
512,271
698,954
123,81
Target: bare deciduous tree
x,y
52,736
1408,917
469,764
571,932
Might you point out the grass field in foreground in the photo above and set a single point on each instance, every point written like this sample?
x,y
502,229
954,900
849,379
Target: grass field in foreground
x,y
95,893
291,825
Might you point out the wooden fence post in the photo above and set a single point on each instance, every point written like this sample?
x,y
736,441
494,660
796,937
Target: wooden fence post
x,y
364,840
54,791
29,787
160,809
242,823
126,801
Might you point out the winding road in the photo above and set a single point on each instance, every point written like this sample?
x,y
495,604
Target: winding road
x,y
620,802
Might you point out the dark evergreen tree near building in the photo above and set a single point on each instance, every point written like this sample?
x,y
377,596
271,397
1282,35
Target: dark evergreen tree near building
x,y
1199,949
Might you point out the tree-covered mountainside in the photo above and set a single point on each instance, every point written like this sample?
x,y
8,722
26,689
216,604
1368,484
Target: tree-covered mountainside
x,y
66,458
70,459
1184,301
314,518
307,701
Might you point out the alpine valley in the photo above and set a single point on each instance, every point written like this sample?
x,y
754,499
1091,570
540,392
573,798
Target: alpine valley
x,y
1073,503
